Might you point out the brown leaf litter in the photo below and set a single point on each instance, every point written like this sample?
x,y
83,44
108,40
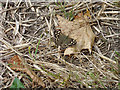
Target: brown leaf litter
x,y
16,63
78,29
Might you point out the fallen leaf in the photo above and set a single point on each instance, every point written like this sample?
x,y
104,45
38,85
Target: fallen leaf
x,y
79,30
69,50
16,64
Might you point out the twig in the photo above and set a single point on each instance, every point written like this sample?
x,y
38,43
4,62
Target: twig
x,y
111,12
10,46
108,18
94,65
106,58
14,73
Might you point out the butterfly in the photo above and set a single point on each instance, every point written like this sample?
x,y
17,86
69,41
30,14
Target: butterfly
x,y
62,40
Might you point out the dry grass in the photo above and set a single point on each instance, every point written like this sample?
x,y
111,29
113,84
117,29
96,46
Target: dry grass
x,y
23,24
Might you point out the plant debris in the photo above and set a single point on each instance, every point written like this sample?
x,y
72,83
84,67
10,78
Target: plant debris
x,y
78,29
26,32
16,64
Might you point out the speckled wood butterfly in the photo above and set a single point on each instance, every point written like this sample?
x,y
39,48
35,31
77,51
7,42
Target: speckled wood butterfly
x,y
62,40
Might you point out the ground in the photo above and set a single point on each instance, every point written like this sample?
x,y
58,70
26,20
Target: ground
x,y
26,43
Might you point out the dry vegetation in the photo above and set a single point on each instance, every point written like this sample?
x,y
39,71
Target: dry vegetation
x,y
26,27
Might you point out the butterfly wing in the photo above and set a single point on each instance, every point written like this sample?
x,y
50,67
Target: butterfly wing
x,y
63,40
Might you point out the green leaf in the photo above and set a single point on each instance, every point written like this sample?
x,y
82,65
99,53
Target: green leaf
x,y
17,84
119,85
117,53
38,45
